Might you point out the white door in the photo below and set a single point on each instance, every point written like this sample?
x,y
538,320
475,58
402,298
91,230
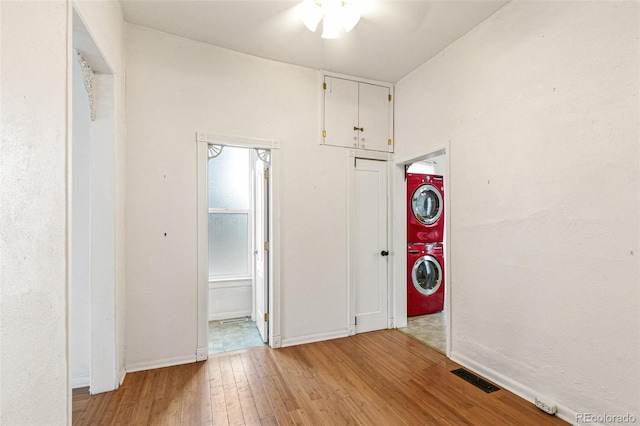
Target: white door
x,y
340,112
374,109
261,252
370,245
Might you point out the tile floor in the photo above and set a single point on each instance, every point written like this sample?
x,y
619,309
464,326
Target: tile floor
x,y
233,334
429,329
242,333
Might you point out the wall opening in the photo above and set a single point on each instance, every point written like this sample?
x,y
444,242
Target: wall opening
x,y
425,321
260,222
92,339
236,246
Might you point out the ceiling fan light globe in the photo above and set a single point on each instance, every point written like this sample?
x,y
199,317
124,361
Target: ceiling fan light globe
x,y
311,14
330,27
350,17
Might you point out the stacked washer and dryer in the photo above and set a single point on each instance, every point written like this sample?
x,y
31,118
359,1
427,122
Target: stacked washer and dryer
x,y
425,251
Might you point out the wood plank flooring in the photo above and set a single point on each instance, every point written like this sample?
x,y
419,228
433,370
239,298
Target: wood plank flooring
x,y
379,378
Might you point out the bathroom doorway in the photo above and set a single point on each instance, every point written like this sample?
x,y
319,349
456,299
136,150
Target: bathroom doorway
x,y
238,206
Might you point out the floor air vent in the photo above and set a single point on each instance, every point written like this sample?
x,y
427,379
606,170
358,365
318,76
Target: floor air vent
x,y
476,381
234,320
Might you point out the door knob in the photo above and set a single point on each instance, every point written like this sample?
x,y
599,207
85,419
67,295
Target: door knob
x,y
384,253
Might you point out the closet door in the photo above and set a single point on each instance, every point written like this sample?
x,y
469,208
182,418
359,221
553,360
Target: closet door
x,y
340,112
374,117
369,248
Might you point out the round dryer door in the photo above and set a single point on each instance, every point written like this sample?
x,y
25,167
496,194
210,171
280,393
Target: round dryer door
x,y
426,275
426,204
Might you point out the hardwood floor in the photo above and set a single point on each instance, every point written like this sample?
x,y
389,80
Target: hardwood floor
x,y
379,378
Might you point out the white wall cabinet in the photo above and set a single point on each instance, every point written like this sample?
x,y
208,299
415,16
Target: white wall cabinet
x,y
357,114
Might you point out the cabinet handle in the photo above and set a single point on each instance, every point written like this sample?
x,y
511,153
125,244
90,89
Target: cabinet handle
x,y
358,128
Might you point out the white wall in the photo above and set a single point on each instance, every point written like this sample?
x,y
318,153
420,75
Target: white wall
x,y
33,199
35,39
540,106
104,22
80,294
176,87
434,165
230,299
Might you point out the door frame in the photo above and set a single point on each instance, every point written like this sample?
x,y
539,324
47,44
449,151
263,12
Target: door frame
x,y
203,140
400,228
352,155
260,221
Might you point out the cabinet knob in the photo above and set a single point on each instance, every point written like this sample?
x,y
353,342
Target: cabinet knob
x,y
358,128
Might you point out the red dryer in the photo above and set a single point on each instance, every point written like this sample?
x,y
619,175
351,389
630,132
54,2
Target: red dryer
x,y
425,209
425,278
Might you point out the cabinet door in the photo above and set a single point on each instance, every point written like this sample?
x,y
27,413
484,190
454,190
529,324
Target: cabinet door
x,y
374,117
340,112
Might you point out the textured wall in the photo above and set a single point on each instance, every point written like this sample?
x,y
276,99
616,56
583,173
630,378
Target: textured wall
x,y
176,87
540,106
33,364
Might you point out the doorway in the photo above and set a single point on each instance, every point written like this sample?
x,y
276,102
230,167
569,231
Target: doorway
x,y
92,327
268,151
238,250
425,277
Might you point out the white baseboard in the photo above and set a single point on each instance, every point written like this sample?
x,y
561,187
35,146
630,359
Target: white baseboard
x,y
80,382
276,342
123,373
314,338
160,363
511,385
228,315
202,353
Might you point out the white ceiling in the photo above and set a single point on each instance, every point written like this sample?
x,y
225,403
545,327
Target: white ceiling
x,y
392,38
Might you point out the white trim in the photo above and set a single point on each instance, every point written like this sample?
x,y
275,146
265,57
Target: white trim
x,y
371,155
216,285
358,79
202,246
202,353
123,374
230,211
80,382
312,338
240,142
226,278
161,363
511,385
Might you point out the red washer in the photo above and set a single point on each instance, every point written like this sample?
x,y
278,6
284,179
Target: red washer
x,y
425,208
425,278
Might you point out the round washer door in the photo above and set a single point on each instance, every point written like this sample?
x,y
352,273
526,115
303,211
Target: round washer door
x,y
426,204
426,275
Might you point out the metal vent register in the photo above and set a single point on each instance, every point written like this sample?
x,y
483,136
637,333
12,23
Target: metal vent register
x,y
476,381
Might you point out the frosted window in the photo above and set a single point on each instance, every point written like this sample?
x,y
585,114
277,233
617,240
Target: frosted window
x,y
228,244
229,179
